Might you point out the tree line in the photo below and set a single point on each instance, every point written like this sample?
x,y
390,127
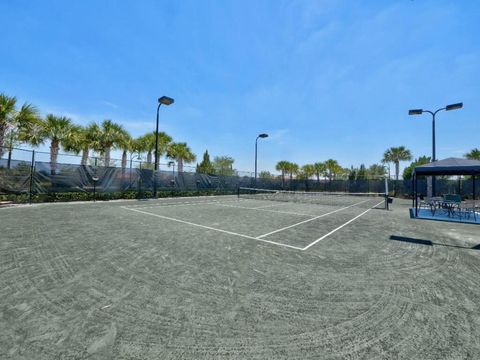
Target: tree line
x,y
331,169
25,125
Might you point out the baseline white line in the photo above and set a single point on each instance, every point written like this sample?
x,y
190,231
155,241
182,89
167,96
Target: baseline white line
x,y
170,205
212,228
341,226
210,197
308,220
265,206
274,211
154,206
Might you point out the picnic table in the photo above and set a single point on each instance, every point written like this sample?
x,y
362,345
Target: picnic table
x,y
452,204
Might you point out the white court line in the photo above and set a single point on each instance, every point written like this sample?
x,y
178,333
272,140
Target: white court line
x,y
154,206
172,204
341,226
190,198
265,206
212,228
274,211
308,220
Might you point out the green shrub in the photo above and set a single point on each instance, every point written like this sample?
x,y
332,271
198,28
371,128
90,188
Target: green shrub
x,y
104,196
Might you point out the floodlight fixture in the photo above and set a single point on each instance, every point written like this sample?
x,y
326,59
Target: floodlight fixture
x,y
454,106
263,136
165,100
415,112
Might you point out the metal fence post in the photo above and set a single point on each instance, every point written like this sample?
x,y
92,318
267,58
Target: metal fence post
x,y
139,191
32,169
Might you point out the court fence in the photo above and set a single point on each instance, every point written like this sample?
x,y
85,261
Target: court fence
x,y
29,176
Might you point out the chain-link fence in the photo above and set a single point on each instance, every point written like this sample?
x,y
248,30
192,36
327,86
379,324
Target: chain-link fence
x,y
27,175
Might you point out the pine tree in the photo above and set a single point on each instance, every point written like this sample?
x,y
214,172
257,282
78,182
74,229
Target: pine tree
x,y
206,166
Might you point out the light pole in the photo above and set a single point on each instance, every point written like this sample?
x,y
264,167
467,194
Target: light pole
x,y
433,113
262,136
165,100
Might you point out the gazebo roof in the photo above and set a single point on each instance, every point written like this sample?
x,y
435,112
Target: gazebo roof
x,y
450,166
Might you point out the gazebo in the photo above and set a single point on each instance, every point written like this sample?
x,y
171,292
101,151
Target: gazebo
x,y
446,167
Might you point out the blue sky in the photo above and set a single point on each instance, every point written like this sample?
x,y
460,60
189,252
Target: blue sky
x,y
326,79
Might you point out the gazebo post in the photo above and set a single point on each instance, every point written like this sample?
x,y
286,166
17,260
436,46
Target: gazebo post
x,y
474,193
416,195
413,190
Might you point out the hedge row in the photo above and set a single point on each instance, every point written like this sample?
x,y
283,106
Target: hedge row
x,y
103,196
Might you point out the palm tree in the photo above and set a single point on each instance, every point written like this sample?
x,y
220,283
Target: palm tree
x,y
181,153
395,155
11,118
333,169
111,135
307,171
126,144
474,154
146,143
58,129
292,170
283,167
320,169
84,139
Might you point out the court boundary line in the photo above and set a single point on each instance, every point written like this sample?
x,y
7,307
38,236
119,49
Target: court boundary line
x,y
265,206
268,210
219,203
212,228
161,204
157,206
340,227
308,220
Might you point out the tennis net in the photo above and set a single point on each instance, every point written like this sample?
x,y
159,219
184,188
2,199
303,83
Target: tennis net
x,y
378,200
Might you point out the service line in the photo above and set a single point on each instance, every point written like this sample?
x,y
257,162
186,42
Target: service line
x,y
260,209
265,206
341,226
212,228
308,220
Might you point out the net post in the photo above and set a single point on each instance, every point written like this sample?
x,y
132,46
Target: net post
x,y
386,194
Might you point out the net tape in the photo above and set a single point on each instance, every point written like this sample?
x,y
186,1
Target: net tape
x,y
322,198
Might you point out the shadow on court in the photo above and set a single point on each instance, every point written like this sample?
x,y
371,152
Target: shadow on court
x,y
429,242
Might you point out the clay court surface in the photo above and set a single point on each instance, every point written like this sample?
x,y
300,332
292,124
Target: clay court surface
x,y
228,278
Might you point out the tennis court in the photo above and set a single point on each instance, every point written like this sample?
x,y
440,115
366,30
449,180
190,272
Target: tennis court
x,y
278,218
257,276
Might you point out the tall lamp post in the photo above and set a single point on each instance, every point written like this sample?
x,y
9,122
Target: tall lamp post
x,y
433,113
261,136
165,100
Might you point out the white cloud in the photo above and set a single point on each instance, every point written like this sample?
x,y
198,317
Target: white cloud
x,y
318,38
279,135
108,103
